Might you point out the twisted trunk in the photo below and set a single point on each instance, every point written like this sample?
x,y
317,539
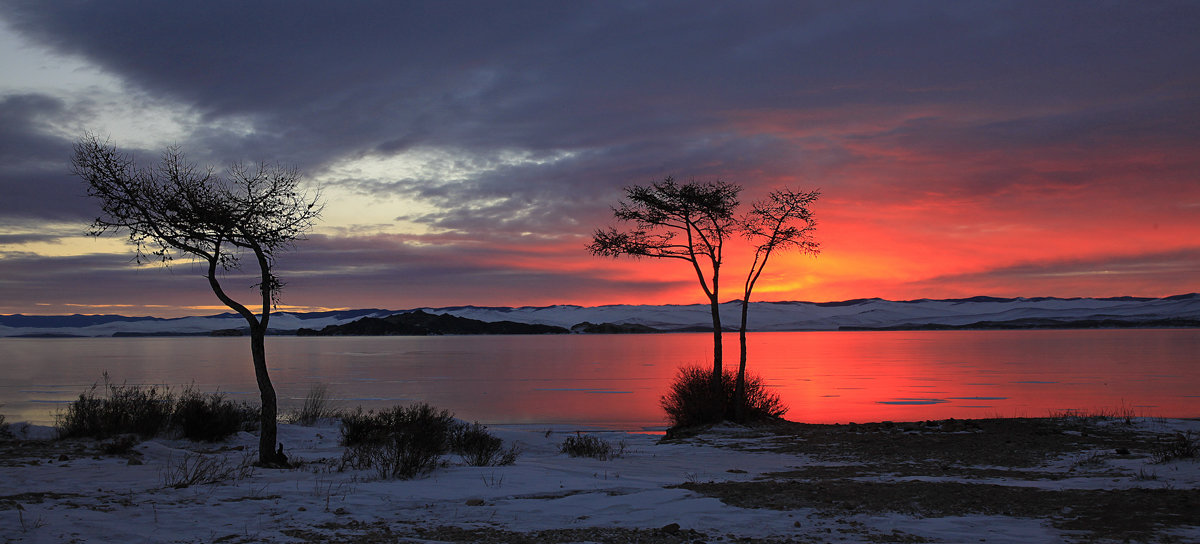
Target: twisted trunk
x,y
267,454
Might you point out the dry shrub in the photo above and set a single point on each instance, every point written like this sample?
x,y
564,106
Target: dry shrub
x,y
150,411
210,417
692,401
402,442
122,409
405,442
479,448
196,469
586,445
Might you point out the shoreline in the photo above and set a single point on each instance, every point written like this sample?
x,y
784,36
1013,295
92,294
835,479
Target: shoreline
x,y
1072,478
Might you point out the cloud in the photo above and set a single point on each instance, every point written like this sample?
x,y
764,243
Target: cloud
x,y
389,271
949,138
1139,274
33,170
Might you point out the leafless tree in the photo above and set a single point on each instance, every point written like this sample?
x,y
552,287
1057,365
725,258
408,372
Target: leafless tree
x,y
180,210
781,221
689,222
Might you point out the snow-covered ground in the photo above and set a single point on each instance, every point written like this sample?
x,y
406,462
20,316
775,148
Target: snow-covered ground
x,y
79,496
763,316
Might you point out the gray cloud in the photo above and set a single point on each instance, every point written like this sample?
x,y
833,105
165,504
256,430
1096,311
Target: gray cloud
x,y
358,272
622,93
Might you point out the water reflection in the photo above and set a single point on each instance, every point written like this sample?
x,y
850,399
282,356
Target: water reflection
x,y
616,381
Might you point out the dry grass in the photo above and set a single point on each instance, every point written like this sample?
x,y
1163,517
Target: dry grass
x,y
869,466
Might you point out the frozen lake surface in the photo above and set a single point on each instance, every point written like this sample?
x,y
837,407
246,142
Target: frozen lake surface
x,y
615,381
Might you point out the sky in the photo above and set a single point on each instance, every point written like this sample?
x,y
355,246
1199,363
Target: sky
x,y
468,150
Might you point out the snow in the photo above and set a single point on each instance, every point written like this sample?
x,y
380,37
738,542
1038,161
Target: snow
x,y
763,316
106,499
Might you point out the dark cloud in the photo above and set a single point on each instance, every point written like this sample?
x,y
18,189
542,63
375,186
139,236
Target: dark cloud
x,y
34,174
1124,275
358,272
876,102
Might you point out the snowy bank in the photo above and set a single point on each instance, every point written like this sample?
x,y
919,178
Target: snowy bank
x,y
804,483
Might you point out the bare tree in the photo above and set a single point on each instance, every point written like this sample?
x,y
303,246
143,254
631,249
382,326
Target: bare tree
x,y
689,222
780,221
178,209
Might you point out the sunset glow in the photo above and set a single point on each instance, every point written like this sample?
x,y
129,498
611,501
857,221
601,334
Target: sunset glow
x,y
961,149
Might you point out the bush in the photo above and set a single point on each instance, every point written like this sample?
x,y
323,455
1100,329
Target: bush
x,y
479,448
586,445
211,417
417,419
150,411
402,456
4,432
692,401
402,442
124,409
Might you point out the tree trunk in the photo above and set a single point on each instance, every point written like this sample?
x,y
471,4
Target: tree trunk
x,y
718,387
267,455
739,388
718,352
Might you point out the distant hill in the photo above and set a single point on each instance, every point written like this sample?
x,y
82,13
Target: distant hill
x,y
860,314
421,323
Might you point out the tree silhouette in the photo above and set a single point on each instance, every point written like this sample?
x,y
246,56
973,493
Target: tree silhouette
x,y
781,221
689,222
178,209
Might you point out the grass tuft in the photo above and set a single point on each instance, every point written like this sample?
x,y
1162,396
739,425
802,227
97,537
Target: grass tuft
x,y
586,445
119,445
196,469
316,406
1180,446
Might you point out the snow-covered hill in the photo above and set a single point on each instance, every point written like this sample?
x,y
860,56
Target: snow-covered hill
x,y
764,316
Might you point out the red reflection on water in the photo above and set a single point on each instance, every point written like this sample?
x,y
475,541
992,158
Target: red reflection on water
x,y
871,376
617,380
828,377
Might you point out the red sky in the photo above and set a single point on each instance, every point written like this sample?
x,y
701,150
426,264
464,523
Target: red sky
x,y
962,149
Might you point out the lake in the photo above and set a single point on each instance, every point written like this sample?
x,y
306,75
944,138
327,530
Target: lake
x,y
615,381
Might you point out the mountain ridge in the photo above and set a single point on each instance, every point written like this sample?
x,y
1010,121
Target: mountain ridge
x,y
865,313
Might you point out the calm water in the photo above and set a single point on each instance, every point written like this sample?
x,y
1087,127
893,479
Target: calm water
x,y
616,380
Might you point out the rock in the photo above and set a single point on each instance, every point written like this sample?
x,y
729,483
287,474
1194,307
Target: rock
x,y
670,528
475,502
134,461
